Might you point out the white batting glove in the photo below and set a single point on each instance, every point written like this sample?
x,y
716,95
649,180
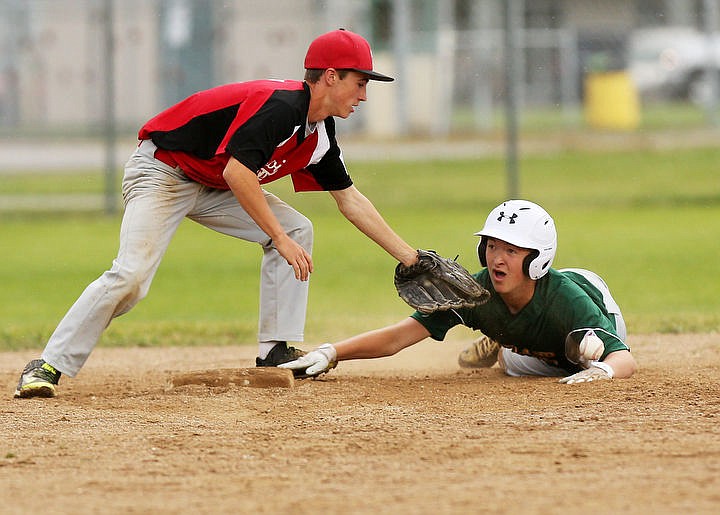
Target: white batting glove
x,y
597,371
315,362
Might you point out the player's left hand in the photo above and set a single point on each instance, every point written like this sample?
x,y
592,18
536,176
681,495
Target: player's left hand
x,y
315,362
597,371
590,348
435,283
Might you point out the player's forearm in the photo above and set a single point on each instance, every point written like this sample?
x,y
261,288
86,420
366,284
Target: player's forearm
x,y
246,188
622,363
382,342
363,215
373,344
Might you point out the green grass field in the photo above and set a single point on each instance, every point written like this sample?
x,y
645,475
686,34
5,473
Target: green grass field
x,y
647,221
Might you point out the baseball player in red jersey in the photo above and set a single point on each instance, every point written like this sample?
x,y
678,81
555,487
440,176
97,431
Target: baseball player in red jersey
x,y
206,158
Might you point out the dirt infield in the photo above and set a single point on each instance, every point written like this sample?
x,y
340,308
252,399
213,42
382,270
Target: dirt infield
x,y
407,434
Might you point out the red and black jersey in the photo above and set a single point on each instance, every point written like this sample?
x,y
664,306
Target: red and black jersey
x,y
262,124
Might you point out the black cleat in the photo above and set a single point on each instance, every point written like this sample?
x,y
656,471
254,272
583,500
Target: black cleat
x,y
280,354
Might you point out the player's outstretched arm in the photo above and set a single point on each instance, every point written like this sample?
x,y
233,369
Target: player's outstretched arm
x,y
362,214
372,344
382,342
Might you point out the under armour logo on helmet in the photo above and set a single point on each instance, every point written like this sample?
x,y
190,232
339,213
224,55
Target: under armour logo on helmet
x,y
511,217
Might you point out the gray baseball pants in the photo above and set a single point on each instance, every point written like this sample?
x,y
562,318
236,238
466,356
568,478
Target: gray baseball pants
x,y
157,198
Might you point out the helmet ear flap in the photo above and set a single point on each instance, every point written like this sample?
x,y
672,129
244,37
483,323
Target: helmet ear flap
x,y
481,248
528,261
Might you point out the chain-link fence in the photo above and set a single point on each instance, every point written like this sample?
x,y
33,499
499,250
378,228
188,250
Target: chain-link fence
x,y
450,55
89,68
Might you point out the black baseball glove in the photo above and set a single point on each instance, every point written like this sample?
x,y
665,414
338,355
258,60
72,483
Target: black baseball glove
x,y
436,283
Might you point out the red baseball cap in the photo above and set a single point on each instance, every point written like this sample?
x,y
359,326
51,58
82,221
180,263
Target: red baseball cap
x,y
342,50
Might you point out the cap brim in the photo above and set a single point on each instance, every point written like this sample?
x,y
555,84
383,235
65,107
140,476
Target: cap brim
x,y
374,75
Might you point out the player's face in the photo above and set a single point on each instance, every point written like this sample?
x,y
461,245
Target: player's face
x,y
347,93
505,265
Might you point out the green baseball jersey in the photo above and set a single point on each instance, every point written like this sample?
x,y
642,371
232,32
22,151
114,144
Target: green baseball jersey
x,y
565,305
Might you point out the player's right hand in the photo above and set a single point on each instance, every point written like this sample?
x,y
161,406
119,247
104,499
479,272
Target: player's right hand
x,y
315,362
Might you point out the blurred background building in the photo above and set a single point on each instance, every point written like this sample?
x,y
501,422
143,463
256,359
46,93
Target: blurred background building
x,y
70,67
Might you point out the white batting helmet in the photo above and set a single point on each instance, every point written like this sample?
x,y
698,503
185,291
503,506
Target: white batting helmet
x,y
523,224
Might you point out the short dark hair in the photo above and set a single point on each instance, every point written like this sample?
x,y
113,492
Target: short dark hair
x,y
313,75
